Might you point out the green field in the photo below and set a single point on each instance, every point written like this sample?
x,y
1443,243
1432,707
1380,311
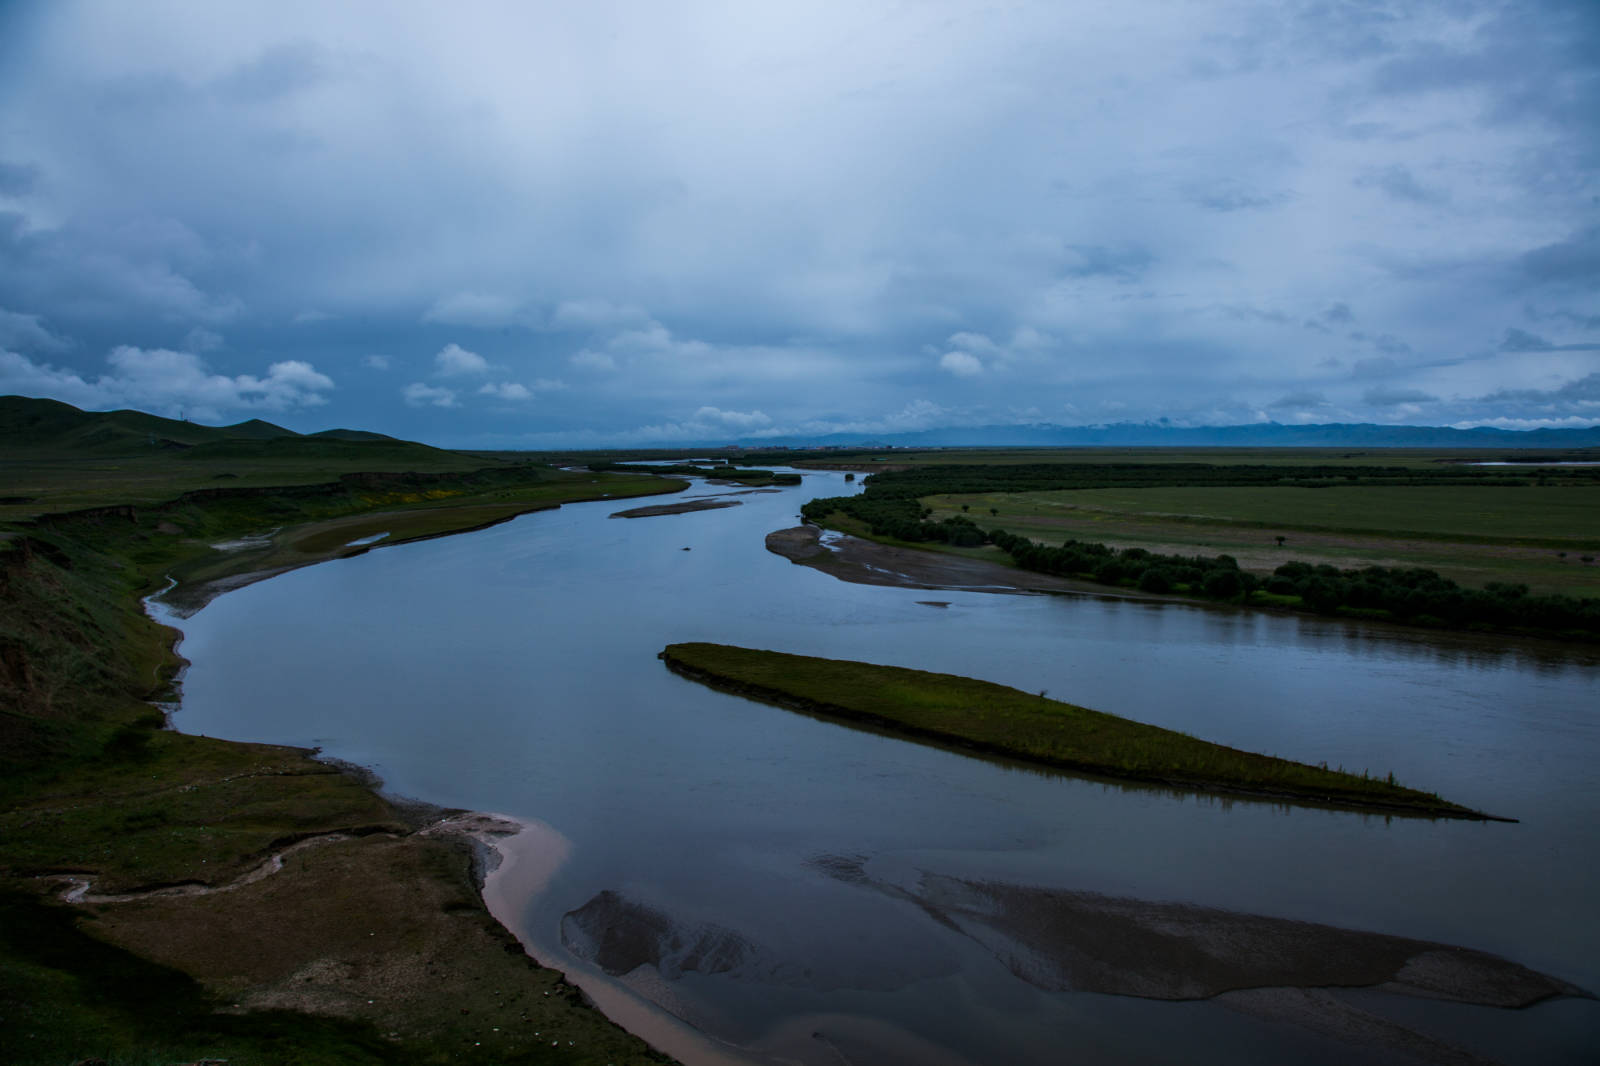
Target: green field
x,y
33,481
1004,721
1534,535
1416,458
1566,517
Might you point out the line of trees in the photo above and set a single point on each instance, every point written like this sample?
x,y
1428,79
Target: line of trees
x,y
725,473
1410,594
917,482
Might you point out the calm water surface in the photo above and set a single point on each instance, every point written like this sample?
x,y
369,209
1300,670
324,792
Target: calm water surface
x,y
514,670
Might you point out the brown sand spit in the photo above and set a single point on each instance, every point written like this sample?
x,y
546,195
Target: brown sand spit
x,y
866,562
1063,941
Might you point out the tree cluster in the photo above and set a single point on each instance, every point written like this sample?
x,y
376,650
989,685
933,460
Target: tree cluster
x,y
1413,595
725,473
917,482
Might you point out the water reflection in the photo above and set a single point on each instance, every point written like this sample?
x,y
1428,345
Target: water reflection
x,y
514,670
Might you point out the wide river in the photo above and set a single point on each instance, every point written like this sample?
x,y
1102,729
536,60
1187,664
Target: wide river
x,y
801,891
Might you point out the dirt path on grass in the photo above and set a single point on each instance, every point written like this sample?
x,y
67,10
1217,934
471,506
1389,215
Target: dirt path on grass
x,y
482,828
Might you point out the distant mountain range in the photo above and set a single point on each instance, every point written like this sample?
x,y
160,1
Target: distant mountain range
x,y
49,425
1156,434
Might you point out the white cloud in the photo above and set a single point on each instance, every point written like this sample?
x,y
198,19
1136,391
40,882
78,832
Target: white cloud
x,y
1553,422
25,331
24,377
976,343
596,315
506,390
969,354
375,362
418,394
548,384
592,360
961,364
201,339
310,316
732,419
707,423
455,361
168,382
713,424
480,309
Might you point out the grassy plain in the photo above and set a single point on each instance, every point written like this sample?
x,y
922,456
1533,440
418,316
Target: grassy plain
x,y
1416,458
1534,535
1005,721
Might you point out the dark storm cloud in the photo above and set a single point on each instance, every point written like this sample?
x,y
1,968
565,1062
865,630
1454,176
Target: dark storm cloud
x,y
1571,318
1517,340
1584,391
1401,184
1532,60
1299,401
27,333
16,179
1228,196
1573,260
278,72
655,219
1336,315
1385,397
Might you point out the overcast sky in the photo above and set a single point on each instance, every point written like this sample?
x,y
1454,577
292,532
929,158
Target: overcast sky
x,y
534,224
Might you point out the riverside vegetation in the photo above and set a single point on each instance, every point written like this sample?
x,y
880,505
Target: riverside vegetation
x,y
994,719
371,944
1538,524
718,472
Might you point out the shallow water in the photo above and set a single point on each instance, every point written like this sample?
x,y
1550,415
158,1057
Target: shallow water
x,y
514,670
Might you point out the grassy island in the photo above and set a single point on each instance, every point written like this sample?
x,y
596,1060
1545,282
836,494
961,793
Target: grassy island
x,y
994,719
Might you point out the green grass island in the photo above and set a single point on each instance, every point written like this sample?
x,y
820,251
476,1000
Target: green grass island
x,y
996,720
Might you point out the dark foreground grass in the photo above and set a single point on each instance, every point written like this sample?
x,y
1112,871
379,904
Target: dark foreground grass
x,y
71,995
1004,721
371,946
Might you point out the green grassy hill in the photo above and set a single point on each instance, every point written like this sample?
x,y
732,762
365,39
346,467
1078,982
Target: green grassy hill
x,y
36,425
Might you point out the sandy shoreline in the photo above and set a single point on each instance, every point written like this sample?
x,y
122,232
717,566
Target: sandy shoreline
x,y
523,856
527,854
867,562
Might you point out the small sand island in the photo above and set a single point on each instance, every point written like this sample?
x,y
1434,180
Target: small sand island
x,y
682,507
1059,940
996,720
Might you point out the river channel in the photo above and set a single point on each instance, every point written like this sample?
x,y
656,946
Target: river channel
x,y
798,891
